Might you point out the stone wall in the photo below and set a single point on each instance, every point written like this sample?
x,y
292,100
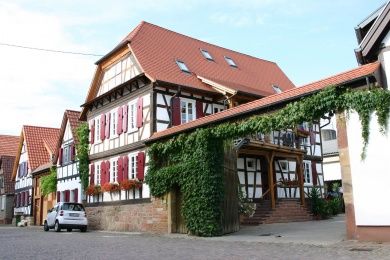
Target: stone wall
x,y
147,215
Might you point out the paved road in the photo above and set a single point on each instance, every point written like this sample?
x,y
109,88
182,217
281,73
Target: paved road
x,y
33,243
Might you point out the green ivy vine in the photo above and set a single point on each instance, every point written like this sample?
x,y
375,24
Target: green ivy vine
x,y
193,162
49,182
82,153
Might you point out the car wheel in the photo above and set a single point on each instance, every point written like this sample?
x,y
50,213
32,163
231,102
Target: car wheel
x,y
83,229
45,226
69,230
57,226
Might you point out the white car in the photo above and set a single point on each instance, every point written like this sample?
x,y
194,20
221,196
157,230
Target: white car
x,y
66,215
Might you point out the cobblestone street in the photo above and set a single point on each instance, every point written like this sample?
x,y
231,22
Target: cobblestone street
x,y
34,243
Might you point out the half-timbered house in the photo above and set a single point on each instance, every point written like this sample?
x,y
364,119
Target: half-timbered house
x,y
33,160
153,80
69,188
8,150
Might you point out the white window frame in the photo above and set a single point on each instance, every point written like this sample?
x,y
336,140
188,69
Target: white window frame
x,y
114,170
231,62
187,117
132,117
132,166
97,174
307,176
97,130
113,122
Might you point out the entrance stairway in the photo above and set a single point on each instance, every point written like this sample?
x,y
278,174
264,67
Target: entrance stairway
x,y
286,210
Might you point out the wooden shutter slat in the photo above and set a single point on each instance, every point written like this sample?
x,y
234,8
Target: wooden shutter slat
x,y
58,196
140,114
126,167
119,128
72,152
26,197
175,108
125,117
108,171
103,172
76,195
92,132
312,138
92,174
199,109
120,169
102,127
108,119
140,166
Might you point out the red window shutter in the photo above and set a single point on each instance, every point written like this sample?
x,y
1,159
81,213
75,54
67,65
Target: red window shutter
x,y
120,169
119,128
140,113
22,199
102,126
92,132
26,197
107,171
199,109
58,196
312,138
72,152
126,167
176,120
76,195
108,119
314,172
125,118
60,152
140,166
67,195
92,174
103,172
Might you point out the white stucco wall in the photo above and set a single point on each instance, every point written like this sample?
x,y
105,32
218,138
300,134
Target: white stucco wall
x,y
371,177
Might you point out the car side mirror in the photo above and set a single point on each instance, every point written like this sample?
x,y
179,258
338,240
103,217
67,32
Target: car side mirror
x,y
49,210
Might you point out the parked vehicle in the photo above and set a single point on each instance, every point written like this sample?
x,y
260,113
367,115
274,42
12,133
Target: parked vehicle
x,y
66,215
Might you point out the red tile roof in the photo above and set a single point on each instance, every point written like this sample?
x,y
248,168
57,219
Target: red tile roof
x,y
262,103
157,50
9,145
35,138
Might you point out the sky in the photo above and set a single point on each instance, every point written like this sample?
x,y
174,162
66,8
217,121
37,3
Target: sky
x,y
309,40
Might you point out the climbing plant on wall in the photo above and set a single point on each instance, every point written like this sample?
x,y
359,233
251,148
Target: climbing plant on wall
x,y
49,182
193,162
82,153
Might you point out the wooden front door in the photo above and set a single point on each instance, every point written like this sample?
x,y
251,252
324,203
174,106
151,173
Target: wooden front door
x,y
37,211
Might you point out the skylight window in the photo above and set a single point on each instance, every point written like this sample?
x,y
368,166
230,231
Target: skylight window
x,y
276,89
230,61
206,54
182,66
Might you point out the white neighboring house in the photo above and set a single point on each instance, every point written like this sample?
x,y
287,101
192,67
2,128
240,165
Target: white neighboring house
x,y
32,153
331,159
69,188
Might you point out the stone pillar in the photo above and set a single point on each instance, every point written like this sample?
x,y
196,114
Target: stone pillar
x,y
346,176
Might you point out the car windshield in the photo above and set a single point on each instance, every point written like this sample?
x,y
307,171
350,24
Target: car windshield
x,y
72,207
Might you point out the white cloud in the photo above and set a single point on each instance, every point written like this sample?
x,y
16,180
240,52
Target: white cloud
x,y
36,87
